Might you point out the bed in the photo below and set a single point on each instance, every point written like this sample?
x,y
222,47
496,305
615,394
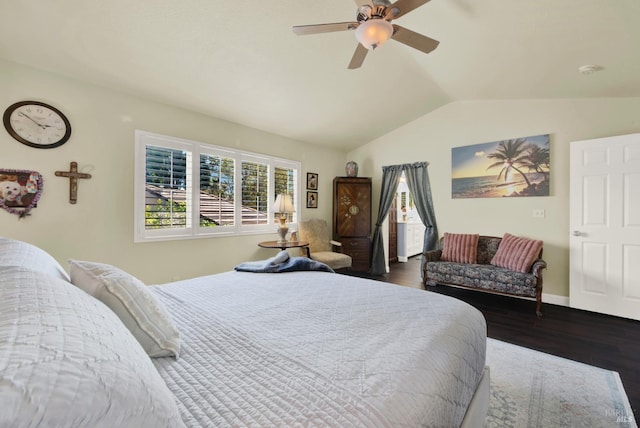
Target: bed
x,y
301,348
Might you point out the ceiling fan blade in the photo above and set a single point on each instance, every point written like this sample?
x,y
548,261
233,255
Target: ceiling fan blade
x,y
358,57
402,7
324,28
413,39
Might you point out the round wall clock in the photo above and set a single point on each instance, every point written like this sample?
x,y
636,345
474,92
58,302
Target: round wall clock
x,y
37,124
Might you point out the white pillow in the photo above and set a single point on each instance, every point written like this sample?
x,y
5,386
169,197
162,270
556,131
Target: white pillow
x,y
67,361
18,253
142,313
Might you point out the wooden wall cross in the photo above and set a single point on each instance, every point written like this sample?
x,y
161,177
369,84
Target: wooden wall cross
x,y
73,176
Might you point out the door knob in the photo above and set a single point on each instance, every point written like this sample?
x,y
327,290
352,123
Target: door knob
x,y
576,233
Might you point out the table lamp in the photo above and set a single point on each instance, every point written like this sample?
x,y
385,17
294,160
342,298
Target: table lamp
x,y
283,206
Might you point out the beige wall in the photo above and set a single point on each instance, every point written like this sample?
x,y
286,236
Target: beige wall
x,y
431,138
100,226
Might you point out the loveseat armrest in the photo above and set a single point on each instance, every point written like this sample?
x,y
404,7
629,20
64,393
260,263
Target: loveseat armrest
x,y
537,266
432,256
429,256
536,270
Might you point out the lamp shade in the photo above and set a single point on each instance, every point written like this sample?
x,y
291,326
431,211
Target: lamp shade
x,y
374,32
283,204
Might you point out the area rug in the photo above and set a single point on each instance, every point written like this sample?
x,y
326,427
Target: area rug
x,y
537,390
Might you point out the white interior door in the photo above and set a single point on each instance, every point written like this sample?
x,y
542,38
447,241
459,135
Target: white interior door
x,y
605,226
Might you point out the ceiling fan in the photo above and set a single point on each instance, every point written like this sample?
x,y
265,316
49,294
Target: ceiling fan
x,y
373,27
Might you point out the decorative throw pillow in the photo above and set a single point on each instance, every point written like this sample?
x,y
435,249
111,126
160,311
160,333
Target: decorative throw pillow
x,y
135,305
516,253
68,361
18,253
460,248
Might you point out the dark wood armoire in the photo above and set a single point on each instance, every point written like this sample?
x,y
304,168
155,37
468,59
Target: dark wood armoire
x,y
352,219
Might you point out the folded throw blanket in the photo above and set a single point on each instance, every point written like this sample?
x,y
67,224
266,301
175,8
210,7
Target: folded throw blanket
x,y
283,263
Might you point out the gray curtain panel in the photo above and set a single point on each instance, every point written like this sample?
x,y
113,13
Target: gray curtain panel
x,y
418,183
390,177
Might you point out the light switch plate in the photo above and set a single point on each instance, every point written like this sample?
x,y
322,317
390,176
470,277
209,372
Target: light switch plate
x,y
539,213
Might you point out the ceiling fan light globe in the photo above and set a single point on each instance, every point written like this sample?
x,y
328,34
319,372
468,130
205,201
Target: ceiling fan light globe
x,y
373,33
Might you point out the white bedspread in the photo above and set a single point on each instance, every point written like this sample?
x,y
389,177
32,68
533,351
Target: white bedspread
x,y
320,349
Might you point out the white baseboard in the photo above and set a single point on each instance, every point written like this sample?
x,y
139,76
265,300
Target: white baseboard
x,y
554,299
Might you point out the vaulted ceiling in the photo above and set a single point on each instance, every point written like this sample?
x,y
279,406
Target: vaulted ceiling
x,y
240,61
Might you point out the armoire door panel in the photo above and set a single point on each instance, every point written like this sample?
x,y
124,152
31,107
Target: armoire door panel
x,y
352,218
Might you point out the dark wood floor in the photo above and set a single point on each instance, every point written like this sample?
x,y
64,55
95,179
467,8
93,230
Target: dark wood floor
x,y
596,339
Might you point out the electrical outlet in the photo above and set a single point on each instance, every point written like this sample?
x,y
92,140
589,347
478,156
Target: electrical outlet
x,y
539,213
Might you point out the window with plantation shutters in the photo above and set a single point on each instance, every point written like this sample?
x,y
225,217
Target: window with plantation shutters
x,y
185,189
217,191
285,182
167,188
255,181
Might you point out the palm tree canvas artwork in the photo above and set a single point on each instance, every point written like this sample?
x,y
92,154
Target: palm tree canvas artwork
x,y
508,168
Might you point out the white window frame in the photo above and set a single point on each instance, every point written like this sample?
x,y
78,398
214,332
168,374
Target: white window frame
x,y
194,149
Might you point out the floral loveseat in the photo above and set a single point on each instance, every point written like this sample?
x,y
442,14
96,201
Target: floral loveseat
x,y
485,271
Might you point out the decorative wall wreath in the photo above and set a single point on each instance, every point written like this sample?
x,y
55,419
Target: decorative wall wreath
x,y
19,191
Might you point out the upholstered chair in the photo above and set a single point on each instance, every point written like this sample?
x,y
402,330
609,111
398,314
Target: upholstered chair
x,y
321,246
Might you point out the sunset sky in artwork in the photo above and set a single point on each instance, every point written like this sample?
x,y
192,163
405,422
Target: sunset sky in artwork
x,y
472,161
